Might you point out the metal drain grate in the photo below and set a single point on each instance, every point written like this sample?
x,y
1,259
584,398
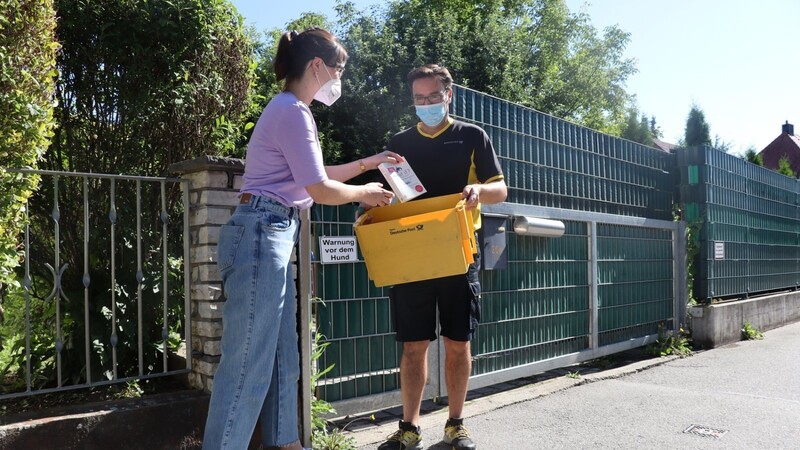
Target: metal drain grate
x,y
703,431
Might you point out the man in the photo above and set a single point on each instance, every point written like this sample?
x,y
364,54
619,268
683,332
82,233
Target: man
x,y
448,156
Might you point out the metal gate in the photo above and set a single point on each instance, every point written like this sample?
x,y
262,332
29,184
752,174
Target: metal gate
x,y
74,330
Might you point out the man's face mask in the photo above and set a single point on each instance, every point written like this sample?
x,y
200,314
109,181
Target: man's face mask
x,y
431,115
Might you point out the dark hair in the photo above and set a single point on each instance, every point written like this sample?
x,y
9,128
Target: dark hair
x,y
296,50
431,71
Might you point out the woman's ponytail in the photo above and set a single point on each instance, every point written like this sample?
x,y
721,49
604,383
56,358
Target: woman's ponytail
x,y
283,57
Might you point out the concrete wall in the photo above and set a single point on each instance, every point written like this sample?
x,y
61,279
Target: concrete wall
x,y
721,323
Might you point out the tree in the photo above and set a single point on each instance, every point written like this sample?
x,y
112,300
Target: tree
x,y
697,130
655,130
721,145
575,73
27,53
637,128
752,155
144,84
533,52
785,167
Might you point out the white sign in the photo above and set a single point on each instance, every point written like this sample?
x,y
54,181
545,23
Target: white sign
x,y
338,249
719,250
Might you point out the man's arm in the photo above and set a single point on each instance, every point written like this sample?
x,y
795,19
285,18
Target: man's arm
x,y
489,193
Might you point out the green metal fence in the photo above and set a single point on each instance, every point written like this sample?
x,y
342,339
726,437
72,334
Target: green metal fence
x,y
551,162
747,221
539,307
605,286
637,278
354,318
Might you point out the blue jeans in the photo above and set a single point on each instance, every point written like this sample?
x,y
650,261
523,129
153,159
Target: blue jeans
x,y
260,364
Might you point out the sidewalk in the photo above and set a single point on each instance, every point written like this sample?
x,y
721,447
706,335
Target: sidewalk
x,y
744,395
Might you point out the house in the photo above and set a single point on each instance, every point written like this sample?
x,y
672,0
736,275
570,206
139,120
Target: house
x,y
786,144
664,146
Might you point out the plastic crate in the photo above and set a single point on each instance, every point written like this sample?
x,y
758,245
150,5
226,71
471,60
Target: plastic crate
x,y
417,240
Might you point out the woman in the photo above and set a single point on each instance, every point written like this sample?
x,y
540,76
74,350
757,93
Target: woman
x,y
284,173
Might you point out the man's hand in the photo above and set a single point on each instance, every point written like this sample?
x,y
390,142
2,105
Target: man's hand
x,y
488,194
472,195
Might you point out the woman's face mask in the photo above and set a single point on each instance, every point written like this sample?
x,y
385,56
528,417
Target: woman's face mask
x,y
329,92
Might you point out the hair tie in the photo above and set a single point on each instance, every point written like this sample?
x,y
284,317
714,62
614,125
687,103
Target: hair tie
x,y
293,34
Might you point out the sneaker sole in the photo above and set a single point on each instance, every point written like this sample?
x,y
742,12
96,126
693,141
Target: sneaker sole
x,y
420,445
449,442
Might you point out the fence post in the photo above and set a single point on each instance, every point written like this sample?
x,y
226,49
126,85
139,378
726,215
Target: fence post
x,y
213,184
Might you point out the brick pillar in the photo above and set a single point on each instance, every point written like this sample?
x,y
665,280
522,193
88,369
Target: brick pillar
x,y
214,184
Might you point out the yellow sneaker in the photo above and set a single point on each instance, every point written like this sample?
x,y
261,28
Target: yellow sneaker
x,y
457,435
407,437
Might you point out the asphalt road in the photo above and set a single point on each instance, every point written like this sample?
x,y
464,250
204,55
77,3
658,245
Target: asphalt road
x,y
741,396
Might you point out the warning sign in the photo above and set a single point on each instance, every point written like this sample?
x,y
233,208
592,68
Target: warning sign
x,y
719,250
338,249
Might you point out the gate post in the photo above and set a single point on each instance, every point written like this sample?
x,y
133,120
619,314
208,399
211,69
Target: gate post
x,y
213,184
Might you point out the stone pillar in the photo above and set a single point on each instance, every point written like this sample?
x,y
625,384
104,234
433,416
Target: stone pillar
x,y
214,184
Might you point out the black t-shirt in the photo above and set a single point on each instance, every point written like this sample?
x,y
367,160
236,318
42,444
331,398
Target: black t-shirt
x,y
456,156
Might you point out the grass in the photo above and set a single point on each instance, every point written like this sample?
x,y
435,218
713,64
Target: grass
x,y
671,343
750,334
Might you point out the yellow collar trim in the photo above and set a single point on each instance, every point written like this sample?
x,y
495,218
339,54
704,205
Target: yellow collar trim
x,y
449,123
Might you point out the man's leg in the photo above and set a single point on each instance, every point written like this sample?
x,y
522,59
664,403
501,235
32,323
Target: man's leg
x,y
457,368
414,316
413,374
459,314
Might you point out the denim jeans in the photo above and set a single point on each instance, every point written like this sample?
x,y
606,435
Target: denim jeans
x,y
260,364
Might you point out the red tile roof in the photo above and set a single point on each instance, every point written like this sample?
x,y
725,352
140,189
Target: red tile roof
x,y
784,145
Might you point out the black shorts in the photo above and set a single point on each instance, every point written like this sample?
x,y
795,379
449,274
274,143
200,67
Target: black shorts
x,y
458,298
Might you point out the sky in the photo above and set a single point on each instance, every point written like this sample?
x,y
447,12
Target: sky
x,y
737,60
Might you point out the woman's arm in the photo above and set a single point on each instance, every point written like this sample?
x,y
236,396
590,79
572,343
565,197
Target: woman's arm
x,y
344,172
332,192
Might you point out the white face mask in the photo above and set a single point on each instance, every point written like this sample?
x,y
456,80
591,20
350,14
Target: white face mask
x,y
329,92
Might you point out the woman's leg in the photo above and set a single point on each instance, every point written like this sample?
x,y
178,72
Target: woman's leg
x,y
279,415
255,284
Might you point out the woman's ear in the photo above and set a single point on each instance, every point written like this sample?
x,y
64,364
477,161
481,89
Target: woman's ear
x,y
318,63
313,64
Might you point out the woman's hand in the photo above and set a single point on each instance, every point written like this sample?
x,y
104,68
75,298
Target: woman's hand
x,y
375,195
372,162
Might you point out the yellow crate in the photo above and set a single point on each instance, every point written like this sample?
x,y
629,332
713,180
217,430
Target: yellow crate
x,y
418,240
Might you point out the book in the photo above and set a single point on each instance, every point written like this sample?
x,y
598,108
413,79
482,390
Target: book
x,y
403,180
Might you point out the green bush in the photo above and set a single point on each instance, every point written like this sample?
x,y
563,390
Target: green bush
x,y
27,70
145,84
141,85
